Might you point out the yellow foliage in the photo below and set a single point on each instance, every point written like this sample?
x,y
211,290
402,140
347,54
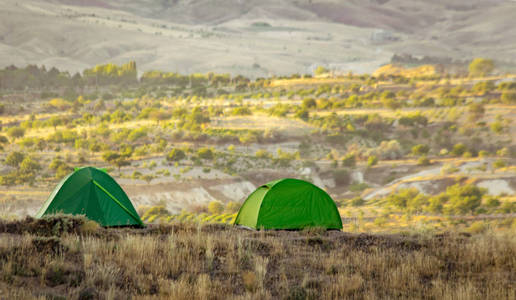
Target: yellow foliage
x,y
390,69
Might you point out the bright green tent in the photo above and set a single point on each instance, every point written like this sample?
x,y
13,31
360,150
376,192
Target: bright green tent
x,y
92,192
289,204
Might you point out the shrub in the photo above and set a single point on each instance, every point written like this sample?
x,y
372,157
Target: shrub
x,y
241,111
492,202
499,163
508,97
424,161
205,153
463,199
497,127
458,149
372,160
401,198
477,227
15,132
14,159
309,103
263,154
420,150
302,114
29,165
176,154
215,207
508,207
483,153
390,149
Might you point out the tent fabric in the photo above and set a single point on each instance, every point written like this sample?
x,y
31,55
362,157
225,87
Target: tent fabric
x,y
92,192
289,204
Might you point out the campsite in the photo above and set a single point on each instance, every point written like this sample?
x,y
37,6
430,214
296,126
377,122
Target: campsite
x,y
228,149
190,196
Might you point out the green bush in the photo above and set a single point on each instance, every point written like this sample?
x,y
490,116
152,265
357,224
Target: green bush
x,y
15,132
420,150
499,163
205,153
458,149
463,199
14,159
176,154
372,160
424,161
263,154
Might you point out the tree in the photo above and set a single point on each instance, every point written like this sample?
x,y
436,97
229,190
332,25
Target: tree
x,y
15,132
29,165
481,67
115,159
54,122
321,70
176,155
14,159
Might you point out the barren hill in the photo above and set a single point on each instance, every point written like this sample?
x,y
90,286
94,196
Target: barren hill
x,y
254,38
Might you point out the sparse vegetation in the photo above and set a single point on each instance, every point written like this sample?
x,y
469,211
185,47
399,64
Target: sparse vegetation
x,y
404,155
75,259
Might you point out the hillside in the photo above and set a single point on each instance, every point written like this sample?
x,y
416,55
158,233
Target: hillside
x,y
254,38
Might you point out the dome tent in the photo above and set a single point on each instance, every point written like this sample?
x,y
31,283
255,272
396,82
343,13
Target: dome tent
x,y
289,204
92,192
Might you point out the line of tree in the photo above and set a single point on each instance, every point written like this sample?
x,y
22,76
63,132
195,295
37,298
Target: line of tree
x,y
36,77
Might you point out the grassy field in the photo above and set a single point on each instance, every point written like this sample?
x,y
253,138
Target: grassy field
x,y
64,257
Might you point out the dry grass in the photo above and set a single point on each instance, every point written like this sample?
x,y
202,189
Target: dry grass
x,y
184,261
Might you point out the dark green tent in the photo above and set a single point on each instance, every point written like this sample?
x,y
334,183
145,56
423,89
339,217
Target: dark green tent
x,y
289,204
92,192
